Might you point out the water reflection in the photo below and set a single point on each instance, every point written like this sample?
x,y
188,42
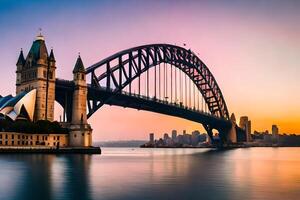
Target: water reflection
x,y
45,177
257,173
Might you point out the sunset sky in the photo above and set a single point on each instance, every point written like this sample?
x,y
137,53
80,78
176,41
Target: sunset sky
x,y
251,47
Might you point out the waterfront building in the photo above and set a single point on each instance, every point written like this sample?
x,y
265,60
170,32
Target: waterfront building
x,y
33,139
166,136
243,121
180,139
195,137
19,107
187,139
275,132
245,124
34,103
169,142
195,133
248,131
174,134
151,138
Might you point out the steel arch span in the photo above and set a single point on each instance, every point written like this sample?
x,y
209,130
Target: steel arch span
x,y
120,69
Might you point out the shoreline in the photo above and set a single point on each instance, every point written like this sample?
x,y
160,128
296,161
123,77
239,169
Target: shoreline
x,y
215,147
42,150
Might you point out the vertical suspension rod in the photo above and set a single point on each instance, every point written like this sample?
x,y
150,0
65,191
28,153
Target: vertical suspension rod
x,y
155,81
159,80
148,72
140,69
190,93
198,97
166,82
180,87
130,72
148,82
164,97
171,86
120,73
185,88
175,85
194,95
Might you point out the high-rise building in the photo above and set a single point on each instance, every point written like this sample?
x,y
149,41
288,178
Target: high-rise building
x,y
174,134
248,131
151,137
275,132
249,127
195,137
166,136
180,139
187,139
243,121
245,124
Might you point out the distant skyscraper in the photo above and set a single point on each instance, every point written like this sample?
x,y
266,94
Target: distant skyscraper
x,y
151,137
248,128
243,121
275,132
195,133
246,125
174,134
166,136
180,139
195,137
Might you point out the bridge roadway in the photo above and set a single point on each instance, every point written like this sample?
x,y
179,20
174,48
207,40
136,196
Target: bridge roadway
x,y
64,90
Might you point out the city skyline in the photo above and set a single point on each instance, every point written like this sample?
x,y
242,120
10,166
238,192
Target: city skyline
x,y
245,60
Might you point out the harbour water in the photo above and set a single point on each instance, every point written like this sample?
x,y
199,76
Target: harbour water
x,y
134,173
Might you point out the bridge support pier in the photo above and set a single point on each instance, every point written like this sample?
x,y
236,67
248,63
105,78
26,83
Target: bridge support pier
x,y
226,136
80,130
80,135
232,134
209,133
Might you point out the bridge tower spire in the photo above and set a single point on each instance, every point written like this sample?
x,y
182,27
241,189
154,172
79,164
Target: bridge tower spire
x,y
80,130
37,71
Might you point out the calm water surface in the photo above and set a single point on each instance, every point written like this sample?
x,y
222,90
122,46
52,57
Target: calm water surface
x,y
129,173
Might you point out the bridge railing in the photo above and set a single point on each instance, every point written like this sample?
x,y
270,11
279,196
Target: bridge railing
x,y
178,105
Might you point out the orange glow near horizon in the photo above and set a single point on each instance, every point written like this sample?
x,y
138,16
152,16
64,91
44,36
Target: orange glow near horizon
x,y
252,53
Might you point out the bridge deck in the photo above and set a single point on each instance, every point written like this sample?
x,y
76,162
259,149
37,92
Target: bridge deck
x,y
64,90
140,102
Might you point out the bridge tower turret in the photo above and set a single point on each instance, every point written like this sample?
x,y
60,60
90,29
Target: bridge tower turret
x,y
80,130
37,71
20,65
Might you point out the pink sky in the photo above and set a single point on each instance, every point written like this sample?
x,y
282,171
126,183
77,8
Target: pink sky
x,y
252,49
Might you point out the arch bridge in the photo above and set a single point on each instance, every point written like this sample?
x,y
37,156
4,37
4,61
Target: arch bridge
x,y
161,78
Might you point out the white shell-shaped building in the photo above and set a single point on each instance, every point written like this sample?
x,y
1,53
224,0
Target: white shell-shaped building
x,y
18,107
